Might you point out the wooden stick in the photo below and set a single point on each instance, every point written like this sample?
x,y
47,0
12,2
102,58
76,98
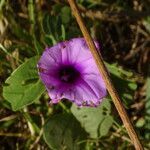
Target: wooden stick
x,y
112,91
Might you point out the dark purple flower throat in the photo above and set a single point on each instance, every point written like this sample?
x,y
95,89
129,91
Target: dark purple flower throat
x,y
68,74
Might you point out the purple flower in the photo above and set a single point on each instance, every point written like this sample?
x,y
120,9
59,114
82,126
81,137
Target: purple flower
x,y
68,70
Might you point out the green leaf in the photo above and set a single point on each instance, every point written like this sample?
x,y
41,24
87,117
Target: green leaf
x,y
146,23
93,119
66,14
54,28
63,131
56,8
38,46
140,122
118,71
123,81
105,125
23,86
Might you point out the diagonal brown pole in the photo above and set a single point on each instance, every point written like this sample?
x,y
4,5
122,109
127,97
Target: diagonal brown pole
x,y
112,91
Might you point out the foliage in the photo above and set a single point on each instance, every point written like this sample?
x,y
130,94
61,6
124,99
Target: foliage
x,y
59,132
98,125
147,126
23,87
27,119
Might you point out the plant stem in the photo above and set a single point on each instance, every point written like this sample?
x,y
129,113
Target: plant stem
x,y
2,4
64,107
102,69
32,126
31,9
21,135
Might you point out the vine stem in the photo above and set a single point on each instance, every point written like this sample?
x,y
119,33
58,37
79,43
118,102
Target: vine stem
x,y
109,85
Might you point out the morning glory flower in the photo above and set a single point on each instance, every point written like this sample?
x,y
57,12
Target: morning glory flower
x,y
68,71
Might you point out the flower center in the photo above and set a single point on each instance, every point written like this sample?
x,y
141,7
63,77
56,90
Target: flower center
x,y
68,74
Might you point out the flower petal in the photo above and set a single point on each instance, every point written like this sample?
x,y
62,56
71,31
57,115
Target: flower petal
x,y
89,92
76,50
88,89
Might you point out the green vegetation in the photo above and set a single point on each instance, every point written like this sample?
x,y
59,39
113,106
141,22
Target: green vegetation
x,y
27,120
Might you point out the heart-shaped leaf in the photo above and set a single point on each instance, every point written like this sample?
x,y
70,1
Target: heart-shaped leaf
x,y
63,131
23,86
93,118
